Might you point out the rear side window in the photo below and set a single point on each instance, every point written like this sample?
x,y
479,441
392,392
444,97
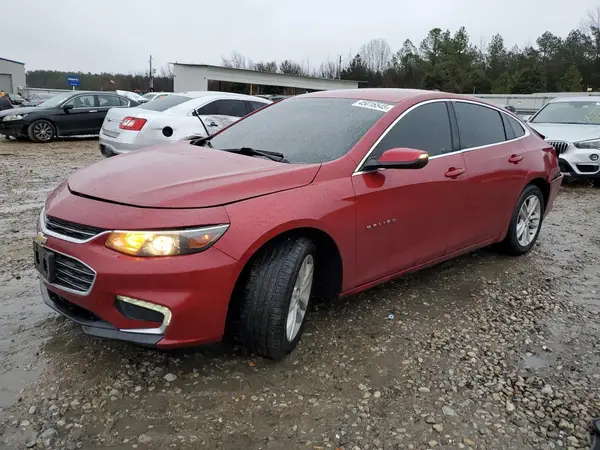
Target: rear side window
x,y
256,105
516,126
164,103
478,125
508,129
427,128
123,101
235,108
108,101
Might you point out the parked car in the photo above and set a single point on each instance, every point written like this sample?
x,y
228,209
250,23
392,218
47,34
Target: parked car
x,y
510,108
132,96
36,99
66,114
323,194
572,126
172,118
274,98
154,95
16,99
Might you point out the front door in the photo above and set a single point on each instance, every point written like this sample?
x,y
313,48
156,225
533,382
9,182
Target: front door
x,y
406,217
106,102
80,119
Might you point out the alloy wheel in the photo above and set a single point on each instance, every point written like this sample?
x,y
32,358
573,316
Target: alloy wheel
x,y
529,220
300,297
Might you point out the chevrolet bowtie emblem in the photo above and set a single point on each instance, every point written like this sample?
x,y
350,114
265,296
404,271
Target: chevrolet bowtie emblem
x,y
40,238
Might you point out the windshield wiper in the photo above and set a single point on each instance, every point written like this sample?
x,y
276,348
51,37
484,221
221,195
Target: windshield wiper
x,y
273,156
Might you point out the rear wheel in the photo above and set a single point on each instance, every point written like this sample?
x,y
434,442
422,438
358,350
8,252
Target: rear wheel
x,y
276,297
526,222
41,131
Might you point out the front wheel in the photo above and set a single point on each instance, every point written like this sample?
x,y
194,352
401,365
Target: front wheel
x,y
526,222
41,131
276,297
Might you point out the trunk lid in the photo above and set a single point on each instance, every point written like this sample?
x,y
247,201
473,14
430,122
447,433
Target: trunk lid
x,y
181,175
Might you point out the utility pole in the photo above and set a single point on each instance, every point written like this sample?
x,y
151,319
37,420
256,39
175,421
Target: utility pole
x,y
340,69
150,77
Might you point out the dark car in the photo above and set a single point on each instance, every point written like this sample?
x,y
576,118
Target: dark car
x,y
16,99
66,114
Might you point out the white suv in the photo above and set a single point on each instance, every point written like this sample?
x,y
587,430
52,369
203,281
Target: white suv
x,y
572,126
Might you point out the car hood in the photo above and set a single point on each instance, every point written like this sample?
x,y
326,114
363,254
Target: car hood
x,y
182,175
567,132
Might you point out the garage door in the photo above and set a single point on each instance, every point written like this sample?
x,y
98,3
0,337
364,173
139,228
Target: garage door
x,y
6,83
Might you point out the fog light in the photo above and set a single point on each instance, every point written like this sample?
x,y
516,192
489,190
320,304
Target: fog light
x,y
135,310
594,157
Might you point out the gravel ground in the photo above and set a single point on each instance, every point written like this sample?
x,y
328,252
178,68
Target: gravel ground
x,y
482,352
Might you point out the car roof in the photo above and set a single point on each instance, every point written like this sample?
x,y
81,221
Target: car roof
x,y
393,95
219,94
582,98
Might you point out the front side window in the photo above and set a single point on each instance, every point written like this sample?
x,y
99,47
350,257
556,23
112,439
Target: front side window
x,y
426,128
478,125
570,112
82,101
306,130
235,108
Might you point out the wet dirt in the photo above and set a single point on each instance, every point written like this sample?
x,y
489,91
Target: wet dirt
x,y
485,351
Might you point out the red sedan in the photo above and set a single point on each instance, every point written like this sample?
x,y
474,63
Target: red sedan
x,y
323,194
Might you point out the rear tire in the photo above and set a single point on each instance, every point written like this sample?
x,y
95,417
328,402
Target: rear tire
x,y
41,131
526,222
276,297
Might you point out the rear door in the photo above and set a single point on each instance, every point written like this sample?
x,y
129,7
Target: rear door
x,y
496,161
80,119
405,217
106,102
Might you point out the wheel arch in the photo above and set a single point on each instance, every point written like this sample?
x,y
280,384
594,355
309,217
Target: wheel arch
x,y
329,264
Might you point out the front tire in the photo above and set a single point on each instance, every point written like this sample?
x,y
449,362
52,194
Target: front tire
x,y
41,131
526,222
276,296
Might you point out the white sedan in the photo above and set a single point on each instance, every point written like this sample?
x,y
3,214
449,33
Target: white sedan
x,y
171,118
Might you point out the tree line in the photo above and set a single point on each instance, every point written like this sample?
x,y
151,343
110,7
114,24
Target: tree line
x,y
443,60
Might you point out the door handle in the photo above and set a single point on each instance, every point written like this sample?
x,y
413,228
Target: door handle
x,y
453,172
515,159
93,110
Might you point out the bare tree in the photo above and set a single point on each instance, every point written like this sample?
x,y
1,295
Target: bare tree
x,y
290,67
328,69
270,66
166,71
236,61
376,54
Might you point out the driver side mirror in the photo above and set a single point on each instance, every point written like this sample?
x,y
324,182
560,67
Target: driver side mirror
x,y
398,158
68,107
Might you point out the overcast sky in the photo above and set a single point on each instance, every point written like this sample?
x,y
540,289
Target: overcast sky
x,y
119,35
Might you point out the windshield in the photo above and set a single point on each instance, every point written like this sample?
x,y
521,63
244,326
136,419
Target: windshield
x,y
56,100
305,130
163,103
569,112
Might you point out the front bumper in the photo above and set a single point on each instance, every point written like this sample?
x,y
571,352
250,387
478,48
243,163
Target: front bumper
x,y
13,128
578,170
196,289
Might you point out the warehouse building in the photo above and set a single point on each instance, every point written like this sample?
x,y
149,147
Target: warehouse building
x,y
203,77
12,75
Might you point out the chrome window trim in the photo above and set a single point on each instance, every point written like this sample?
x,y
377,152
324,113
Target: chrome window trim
x,y
357,171
66,289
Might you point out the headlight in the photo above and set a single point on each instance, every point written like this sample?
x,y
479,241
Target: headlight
x,y
591,144
14,117
164,243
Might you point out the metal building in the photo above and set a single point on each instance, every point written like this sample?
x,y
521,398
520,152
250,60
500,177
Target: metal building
x,y
195,77
12,75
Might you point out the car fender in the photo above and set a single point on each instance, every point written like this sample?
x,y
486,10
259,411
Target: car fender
x,y
257,221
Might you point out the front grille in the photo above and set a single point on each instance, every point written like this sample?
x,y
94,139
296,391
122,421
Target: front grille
x,y
587,168
70,229
560,146
72,273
